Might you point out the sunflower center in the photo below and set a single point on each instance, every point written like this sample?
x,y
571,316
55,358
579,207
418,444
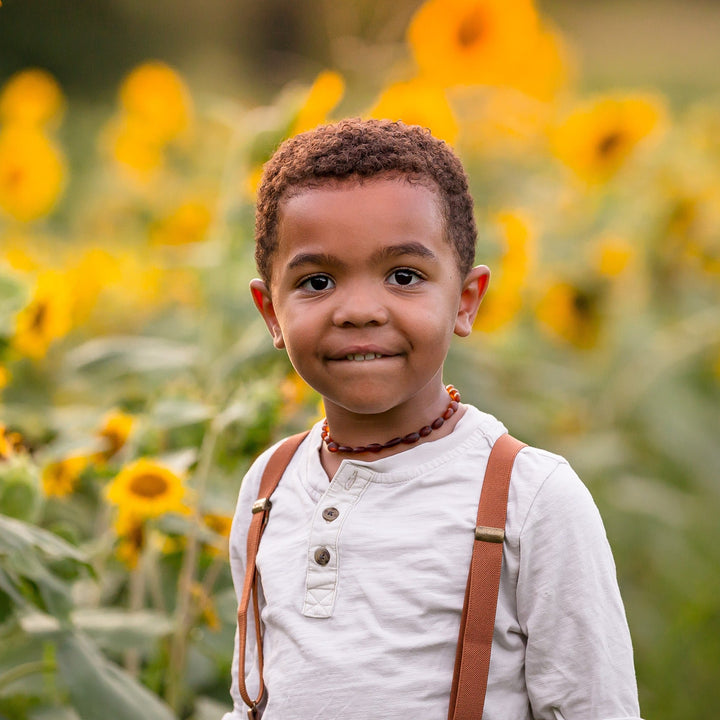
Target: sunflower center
x,y
148,485
13,177
471,29
609,144
38,317
583,304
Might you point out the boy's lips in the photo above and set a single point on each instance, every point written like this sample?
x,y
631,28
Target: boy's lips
x,y
360,353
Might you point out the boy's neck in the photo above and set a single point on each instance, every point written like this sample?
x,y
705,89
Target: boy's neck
x,y
372,432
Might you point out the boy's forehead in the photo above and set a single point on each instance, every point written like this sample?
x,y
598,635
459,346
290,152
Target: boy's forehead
x,y
389,201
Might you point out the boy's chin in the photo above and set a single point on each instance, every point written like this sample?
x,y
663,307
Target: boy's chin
x,y
362,404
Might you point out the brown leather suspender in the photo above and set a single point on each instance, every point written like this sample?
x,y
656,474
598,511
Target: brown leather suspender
x,y
261,508
472,660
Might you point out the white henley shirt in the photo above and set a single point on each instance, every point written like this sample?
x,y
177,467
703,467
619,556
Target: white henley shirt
x,y
363,580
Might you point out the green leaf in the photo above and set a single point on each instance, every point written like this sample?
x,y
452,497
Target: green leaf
x,y
13,295
100,689
119,630
28,553
176,413
118,356
16,535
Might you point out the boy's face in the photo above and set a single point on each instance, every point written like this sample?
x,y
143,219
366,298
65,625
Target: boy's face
x,y
366,293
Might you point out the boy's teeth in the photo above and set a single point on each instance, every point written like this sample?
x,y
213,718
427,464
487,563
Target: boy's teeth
x,y
360,357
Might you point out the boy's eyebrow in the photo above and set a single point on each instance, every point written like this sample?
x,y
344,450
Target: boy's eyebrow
x,y
408,248
315,259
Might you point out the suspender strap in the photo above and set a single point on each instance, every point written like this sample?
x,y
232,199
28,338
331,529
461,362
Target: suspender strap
x,y
261,509
472,659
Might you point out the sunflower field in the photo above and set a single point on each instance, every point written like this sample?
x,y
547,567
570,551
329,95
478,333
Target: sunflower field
x,y
137,381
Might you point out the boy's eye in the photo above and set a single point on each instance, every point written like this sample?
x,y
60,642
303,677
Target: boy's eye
x,y
404,276
317,283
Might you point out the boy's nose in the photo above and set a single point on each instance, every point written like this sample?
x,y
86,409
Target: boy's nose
x,y
358,308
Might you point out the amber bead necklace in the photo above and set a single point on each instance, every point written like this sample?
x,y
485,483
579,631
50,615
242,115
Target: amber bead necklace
x,y
408,439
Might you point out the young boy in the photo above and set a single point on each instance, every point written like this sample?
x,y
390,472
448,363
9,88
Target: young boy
x,y
365,245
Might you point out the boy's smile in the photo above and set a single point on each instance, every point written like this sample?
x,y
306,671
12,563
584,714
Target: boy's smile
x,y
365,295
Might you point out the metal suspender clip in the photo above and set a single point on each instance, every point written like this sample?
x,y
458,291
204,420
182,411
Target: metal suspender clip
x,y
261,505
489,534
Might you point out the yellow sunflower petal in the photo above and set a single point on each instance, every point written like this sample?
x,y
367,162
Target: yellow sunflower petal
x,y
156,97
325,93
418,102
32,173
187,223
504,298
31,97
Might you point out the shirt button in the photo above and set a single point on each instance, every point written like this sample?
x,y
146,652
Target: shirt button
x,y
322,556
330,513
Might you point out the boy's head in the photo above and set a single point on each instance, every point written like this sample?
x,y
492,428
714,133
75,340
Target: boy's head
x,y
365,149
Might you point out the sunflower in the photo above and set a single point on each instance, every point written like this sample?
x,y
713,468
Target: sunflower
x,y
95,271
325,93
32,173
132,535
221,525
156,98
59,478
500,121
457,42
31,97
571,313
613,255
127,142
114,432
205,606
597,138
504,298
147,489
188,223
418,102
218,523
10,442
46,318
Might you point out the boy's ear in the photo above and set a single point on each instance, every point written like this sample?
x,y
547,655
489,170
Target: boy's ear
x,y
471,295
263,302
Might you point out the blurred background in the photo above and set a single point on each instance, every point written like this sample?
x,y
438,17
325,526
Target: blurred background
x,y
137,383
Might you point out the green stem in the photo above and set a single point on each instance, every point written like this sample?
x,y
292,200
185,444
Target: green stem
x,y
184,612
137,596
21,671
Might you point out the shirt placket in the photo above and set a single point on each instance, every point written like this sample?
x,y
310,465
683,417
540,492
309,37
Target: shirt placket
x,y
323,555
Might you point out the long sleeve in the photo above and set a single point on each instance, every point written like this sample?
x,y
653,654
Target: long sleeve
x,y
579,662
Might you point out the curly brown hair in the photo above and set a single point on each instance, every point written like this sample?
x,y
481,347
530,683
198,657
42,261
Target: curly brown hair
x,y
362,149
